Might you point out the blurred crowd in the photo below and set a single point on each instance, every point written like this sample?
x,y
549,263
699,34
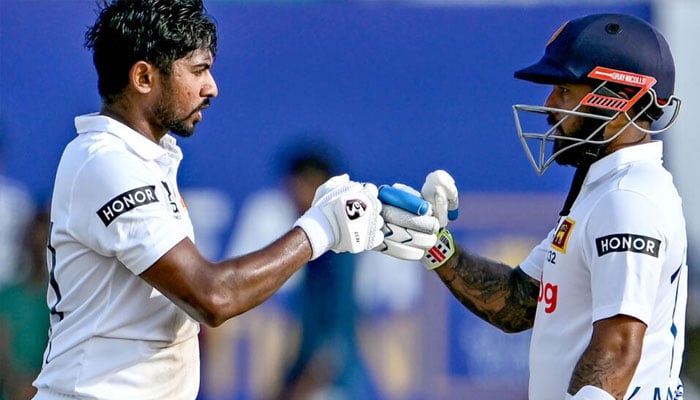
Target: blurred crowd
x,y
311,340
24,322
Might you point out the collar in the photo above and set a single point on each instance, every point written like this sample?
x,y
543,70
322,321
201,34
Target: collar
x,y
139,144
622,158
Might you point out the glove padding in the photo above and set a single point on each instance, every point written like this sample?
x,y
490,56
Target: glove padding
x,y
440,190
406,235
344,216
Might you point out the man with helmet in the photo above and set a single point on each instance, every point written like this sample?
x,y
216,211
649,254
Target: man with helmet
x,y
605,292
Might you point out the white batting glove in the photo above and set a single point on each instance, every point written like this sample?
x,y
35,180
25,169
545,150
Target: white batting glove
x,y
407,235
440,190
344,216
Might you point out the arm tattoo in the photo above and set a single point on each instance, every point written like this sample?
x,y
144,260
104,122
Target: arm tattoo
x,y
596,367
501,295
590,370
612,356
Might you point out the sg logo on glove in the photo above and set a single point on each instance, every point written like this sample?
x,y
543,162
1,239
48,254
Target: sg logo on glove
x,y
355,209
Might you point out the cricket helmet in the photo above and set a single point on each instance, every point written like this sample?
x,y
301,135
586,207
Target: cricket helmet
x,y
611,52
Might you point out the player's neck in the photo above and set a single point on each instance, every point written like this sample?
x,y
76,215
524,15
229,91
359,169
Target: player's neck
x,y
133,120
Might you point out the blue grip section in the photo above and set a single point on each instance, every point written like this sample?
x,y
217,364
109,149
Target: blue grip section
x,y
403,200
453,214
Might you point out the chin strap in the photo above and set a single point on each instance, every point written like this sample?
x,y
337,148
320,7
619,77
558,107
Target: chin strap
x,y
576,184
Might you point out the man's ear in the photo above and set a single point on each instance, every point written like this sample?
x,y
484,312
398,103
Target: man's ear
x,y
621,118
142,77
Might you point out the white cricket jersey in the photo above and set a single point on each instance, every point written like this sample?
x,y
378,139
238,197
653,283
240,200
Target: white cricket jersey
x,y
621,250
115,211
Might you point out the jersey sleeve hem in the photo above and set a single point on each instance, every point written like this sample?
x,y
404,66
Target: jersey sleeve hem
x,y
631,310
531,270
155,252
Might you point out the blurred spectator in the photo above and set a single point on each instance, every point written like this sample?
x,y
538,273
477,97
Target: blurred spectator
x,y
328,364
24,319
303,340
388,292
16,205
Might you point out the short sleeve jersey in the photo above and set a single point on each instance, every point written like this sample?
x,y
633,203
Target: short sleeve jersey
x,y
115,211
621,250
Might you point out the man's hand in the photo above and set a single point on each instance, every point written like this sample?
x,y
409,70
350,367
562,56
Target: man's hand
x,y
407,235
440,190
344,216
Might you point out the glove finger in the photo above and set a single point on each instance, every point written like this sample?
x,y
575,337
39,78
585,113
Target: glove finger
x,y
395,233
343,185
423,240
402,251
371,192
441,180
405,199
401,217
407,189
377,237
380,247
371,189
331,184
440,203
452,195
398,234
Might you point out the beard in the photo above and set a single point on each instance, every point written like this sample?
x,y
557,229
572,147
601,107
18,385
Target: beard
x,y
168,117
179,128
168,114
578,153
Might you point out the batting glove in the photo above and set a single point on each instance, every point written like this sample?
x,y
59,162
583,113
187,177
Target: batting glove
x,y
344,217
407,235
440,190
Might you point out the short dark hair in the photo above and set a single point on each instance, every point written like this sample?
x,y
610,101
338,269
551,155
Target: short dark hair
x,y
156,31
309,162
304,154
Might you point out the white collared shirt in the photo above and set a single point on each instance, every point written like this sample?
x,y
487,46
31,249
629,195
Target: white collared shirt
x,y
621,250
115,211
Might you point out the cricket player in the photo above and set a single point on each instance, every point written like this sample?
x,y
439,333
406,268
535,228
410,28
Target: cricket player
x,y
605,292
128,287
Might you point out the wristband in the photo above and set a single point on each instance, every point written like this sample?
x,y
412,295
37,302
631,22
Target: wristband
x,y
589,392
318,230
438,255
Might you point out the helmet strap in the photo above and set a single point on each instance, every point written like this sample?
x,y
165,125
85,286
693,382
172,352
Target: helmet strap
x,y
585,153
575,189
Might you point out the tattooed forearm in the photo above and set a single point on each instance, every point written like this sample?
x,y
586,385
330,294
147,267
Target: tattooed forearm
x,y
591,370
612,356
497,293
